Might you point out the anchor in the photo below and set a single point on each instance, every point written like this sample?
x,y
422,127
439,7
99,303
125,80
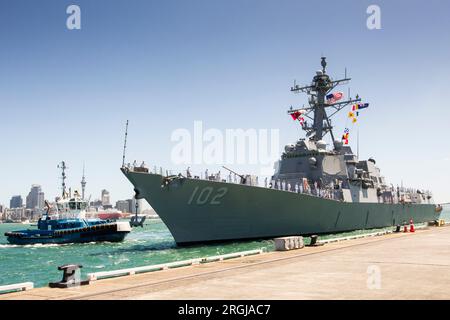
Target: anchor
x,y
137,221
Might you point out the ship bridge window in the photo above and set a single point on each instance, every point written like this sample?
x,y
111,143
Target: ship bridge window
x,y
72,205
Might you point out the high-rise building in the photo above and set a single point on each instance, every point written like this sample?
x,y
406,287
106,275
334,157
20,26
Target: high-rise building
x,y
105,198
41,200
123,205
132,203
35,198
16,202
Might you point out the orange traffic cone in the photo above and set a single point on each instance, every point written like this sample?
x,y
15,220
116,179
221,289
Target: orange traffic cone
x,y
411,226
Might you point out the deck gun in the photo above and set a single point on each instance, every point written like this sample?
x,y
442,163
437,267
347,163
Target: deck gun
x,y
243,178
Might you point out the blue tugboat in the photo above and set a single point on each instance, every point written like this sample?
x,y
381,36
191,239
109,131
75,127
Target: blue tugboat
x,y
66,223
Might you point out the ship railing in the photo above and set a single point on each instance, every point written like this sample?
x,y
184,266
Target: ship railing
x,y
131,271
16,287
326,193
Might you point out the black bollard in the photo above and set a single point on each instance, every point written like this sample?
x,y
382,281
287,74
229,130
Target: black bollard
x,y
69,277
313,241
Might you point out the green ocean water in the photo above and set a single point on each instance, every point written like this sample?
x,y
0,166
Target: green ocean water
x,y
152,244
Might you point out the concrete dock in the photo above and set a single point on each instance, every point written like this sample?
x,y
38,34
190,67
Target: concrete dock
x,y
393,266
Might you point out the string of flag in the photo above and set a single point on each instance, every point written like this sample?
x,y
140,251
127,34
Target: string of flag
x,y
330,99
353,115
345,136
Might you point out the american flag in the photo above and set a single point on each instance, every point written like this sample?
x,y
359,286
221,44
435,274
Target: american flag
x,y
334,97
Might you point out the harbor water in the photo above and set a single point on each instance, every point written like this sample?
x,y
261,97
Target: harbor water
x,y
150,245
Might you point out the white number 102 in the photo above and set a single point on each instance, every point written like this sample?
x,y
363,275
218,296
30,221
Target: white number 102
x,y
205,195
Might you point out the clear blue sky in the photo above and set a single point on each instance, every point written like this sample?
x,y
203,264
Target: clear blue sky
x,y
65,95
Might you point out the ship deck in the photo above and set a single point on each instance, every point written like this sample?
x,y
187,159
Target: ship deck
x,y
393,266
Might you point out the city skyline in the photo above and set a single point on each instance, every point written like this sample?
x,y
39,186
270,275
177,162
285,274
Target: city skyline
x,y
35,201
35,198
66,94
33,207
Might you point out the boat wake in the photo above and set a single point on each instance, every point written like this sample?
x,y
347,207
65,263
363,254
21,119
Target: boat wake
x,y
36,245
8,246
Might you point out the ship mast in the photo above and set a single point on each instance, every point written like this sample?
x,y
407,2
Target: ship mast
x,y
63,167
125,145
317,91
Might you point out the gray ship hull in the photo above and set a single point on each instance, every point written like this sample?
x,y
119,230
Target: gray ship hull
x,y
202,211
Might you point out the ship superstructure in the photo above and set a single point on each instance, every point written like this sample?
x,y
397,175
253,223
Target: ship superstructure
x,y
334,173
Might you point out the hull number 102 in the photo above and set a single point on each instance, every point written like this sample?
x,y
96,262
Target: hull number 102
x,y
207,195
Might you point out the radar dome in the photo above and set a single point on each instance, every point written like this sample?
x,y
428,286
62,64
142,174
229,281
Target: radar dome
x,y
312,161
338,144
289,147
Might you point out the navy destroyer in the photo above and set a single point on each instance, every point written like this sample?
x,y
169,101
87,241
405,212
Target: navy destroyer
x,y
314,190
